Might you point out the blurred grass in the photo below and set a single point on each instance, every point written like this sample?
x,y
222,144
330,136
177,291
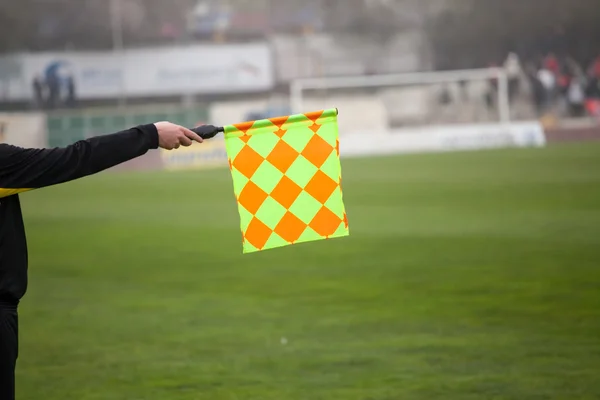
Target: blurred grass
x,y
466,276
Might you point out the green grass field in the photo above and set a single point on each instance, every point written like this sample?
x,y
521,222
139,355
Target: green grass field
x,y
465,276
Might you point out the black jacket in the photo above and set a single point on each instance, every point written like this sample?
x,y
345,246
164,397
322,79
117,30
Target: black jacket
x,y
23,169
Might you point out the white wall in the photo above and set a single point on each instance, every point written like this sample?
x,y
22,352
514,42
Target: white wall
x,y
23,129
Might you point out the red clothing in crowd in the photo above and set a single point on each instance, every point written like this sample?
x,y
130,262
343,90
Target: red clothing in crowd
x,y
564,80
593,107
551,63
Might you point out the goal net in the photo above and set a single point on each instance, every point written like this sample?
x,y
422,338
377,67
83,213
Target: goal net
x,y
381,103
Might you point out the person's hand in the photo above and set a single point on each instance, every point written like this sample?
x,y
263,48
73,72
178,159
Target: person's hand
x,y
171,136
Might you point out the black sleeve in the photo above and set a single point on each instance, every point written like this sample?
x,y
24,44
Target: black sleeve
x,y
22,168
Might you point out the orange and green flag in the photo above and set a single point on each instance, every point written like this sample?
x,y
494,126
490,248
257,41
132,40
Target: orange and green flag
x,y
287,179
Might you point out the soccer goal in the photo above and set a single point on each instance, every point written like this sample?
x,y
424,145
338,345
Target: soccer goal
x,y
383,102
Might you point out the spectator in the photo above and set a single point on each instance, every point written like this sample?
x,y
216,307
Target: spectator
x,y
563,81
592,90
71,94
548,82
53,84
492,89
537,89
551,64
576,97
574,68
594,70
512,65
592,94
38,92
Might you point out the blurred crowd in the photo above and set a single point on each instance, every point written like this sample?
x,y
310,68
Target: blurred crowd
x,y
557,85
564,82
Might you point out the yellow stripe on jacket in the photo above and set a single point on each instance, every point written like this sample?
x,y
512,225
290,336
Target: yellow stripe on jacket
x,y
10,192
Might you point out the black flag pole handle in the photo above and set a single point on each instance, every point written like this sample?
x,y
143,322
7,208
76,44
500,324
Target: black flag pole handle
x,y
207,131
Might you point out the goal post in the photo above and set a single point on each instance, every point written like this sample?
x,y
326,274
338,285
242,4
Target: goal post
x,y
299,89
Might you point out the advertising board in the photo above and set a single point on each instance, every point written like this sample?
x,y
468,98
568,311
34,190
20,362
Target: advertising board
x,y
160,71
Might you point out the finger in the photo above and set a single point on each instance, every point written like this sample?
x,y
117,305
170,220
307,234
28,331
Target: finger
x,y
192,135
206,131
185,141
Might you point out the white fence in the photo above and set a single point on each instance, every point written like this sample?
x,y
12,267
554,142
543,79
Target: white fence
x,y
442,139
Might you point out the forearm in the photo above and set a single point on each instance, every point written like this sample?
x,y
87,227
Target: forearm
x,y
96,154
35,168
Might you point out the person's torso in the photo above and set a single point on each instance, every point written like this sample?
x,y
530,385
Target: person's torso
x,y
576,93
547,78
13,250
